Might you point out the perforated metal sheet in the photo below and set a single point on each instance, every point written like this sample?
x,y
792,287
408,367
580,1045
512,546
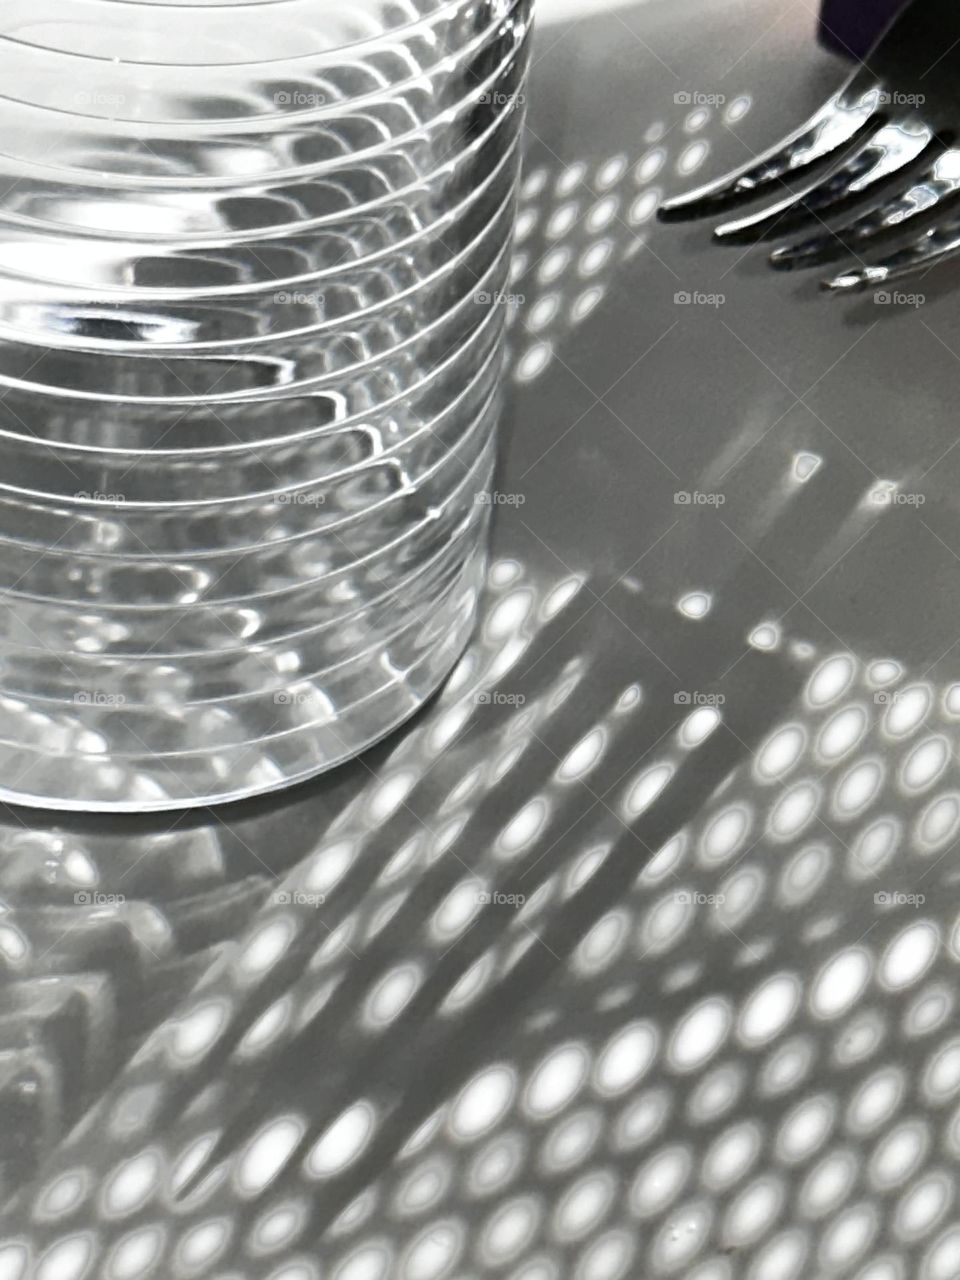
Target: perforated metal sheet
x,y
636,954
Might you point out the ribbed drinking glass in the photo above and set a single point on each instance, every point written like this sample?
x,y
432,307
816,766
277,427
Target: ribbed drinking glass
x,y
253,261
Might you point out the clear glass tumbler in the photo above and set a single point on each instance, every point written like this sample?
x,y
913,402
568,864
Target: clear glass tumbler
x,y
252,261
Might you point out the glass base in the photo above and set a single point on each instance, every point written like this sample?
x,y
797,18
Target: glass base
x,y
309,736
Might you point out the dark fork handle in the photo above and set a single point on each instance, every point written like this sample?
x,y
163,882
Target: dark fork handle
x,y
852,27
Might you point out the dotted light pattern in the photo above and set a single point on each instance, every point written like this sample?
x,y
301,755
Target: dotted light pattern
x,y
743,1063
577,224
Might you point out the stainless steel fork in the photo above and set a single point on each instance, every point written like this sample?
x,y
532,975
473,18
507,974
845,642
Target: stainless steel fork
x,y
898,116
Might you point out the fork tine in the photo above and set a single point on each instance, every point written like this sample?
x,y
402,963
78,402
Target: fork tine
x,y
890,149
834,124
935,189
934,246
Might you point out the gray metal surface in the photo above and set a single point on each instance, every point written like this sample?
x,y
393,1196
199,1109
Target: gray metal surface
x,y
636,953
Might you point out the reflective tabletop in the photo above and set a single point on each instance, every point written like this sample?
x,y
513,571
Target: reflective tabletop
x,y
635,953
